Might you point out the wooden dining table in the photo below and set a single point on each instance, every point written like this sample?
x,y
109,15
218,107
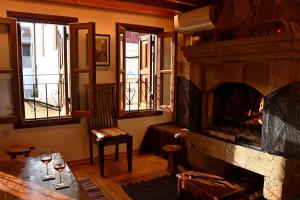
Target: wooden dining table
x,y
22,179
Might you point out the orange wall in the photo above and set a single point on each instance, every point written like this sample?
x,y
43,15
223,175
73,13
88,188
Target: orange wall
x,y
71,140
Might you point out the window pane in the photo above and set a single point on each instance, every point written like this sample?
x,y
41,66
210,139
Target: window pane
x,y
82,49
6,106
167,55
43,70
4,45
121,52
82,98
166,86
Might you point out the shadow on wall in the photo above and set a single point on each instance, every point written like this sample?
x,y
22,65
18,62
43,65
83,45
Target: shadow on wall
x,y
188,105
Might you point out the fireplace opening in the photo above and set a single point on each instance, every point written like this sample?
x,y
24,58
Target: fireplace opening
x,y
237,113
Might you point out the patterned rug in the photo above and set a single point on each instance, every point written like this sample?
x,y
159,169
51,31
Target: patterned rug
x,y
163,188
91,189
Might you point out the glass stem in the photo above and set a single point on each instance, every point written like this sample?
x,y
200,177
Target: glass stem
x,y
59,177
47,168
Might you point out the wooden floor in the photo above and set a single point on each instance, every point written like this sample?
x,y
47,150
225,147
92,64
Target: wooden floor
x,y
145,167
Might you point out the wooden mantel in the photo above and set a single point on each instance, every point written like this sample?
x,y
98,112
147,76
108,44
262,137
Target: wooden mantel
x,y
281,46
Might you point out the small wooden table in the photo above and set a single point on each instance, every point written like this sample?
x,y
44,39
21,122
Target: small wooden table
x,y
22,149
172,161
21,179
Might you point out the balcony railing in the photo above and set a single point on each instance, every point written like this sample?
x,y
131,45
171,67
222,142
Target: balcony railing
x,y
139,95
47,98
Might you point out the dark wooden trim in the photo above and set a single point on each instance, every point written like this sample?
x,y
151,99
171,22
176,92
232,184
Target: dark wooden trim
x,y
41,18
46,122
67,81
141,113
168,5
120,29
141,28
20,99
119,6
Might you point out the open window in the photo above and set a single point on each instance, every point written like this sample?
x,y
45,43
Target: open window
x,y
8,70
83,74
140,89
55,64
167,54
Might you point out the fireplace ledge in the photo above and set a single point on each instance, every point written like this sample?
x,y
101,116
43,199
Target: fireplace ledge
x,y
281,46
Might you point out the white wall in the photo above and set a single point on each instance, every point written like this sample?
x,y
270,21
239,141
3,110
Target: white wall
x,y
71,140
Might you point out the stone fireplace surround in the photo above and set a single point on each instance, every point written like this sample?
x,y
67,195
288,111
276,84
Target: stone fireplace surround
x,y
265,63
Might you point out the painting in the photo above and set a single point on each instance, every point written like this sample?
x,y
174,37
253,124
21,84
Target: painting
x,y
102,50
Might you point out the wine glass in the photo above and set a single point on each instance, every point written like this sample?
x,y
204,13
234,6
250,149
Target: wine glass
x,y
46,157
59,164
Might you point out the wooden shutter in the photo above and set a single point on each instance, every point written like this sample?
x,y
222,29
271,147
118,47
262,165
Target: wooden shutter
x,y
9,87
83,74
166,69
121,69
145,79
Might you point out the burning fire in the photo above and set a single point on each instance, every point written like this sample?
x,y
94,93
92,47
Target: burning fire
x,y
255,116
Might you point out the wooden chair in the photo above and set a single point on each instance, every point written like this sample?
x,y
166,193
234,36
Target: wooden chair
x,y
103,126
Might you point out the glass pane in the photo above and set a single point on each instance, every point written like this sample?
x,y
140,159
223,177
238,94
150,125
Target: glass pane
x,y
82,49
167,54
6,106
166,86
121,52
122,91
43,70
4,47
82,98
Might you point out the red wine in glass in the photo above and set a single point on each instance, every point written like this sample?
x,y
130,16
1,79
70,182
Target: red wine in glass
x,y
59,164
46,158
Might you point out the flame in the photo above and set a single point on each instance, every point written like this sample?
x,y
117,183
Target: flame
x,y
249,112
260,121
261,105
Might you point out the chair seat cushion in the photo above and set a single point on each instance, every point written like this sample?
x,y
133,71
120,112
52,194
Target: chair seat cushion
x,y
108,132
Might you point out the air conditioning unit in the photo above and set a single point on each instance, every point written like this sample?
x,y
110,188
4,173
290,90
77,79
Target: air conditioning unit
x,y
195,20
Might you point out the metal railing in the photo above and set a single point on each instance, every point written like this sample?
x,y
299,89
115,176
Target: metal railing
x,y
139,95
46,97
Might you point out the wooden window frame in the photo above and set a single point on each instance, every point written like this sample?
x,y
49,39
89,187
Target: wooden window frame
x,y
173,72
37,18
13,70
141,29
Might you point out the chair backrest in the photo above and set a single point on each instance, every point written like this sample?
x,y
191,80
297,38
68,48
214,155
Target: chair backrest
x,y
105,114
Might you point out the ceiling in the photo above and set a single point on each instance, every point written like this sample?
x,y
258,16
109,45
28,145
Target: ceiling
x,y
161,8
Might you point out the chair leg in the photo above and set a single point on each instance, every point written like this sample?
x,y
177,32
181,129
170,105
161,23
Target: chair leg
x,y
101,158
129,153
91,153
117,152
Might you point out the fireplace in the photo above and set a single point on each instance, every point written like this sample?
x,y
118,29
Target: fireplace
x,y
237,113
233,77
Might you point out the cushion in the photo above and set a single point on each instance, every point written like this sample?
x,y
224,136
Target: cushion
x,y
108,132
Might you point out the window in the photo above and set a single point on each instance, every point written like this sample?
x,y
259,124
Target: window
x,y
145,74
53,79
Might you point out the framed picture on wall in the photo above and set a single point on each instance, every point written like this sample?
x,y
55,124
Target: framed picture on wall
x,y
102,50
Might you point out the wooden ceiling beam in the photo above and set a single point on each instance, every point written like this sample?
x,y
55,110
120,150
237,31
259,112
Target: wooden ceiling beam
x,y
120,6
164,4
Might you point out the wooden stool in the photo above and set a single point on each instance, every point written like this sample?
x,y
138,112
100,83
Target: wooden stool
x,y
22,149
207,186
172,161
